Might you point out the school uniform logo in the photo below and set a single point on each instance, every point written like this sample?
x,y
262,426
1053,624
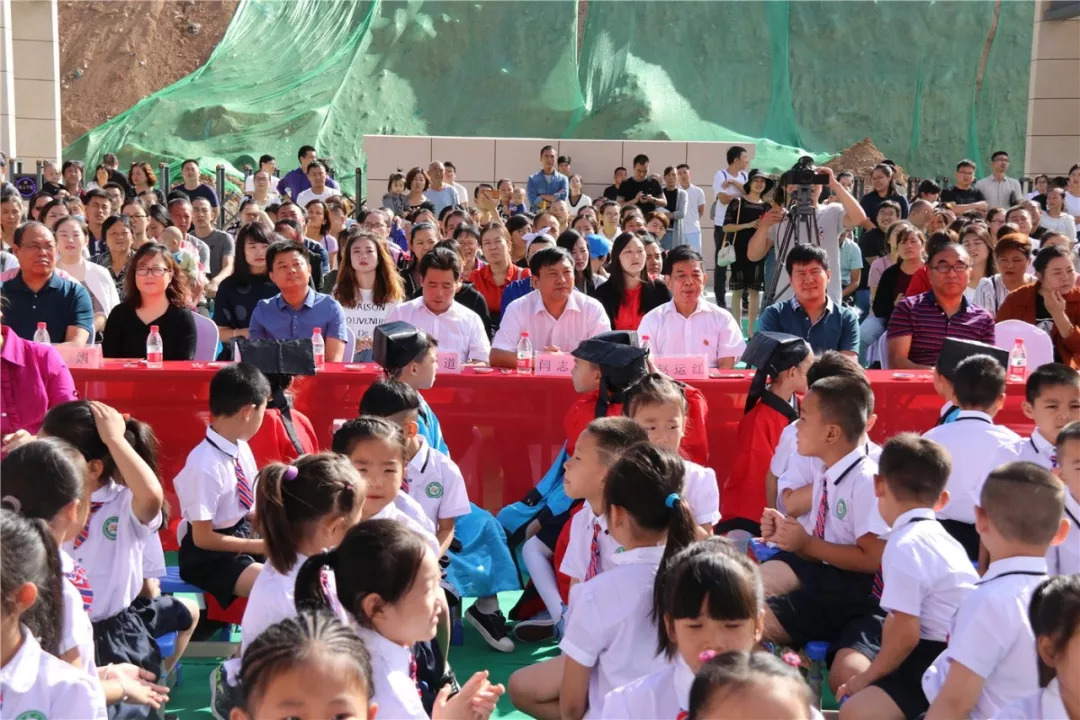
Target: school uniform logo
x,y
32,715
434,490
841,509
109,528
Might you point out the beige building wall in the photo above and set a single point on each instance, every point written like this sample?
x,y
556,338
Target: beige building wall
x,y
30,81
1053,134
481,160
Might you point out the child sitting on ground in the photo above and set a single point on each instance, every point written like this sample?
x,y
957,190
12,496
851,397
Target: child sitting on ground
x,y
1064,559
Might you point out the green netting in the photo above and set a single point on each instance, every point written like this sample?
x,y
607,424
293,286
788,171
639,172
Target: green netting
x,y
784,75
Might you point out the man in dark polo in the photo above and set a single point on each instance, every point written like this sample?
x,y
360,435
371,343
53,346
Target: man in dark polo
x,y
37,294
811,314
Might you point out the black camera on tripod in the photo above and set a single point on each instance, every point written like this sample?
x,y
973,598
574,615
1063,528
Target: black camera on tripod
x,y
803,174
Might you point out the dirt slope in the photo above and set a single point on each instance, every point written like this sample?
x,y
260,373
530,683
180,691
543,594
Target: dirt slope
x,y
113,53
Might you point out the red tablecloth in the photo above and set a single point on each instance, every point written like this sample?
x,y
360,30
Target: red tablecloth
x,y
504,430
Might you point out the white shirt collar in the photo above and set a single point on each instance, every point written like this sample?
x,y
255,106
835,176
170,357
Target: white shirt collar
x,y
1050,703
702,306
682,680
107,492
904,518
420,460
226,446
572,303
639,556
397,656
21,672
975,414
1022,563
838,469
1042,445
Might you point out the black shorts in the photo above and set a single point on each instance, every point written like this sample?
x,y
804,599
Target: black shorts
x,y
551,528
215,572
965,534
828,601
904,684
863,635
162,615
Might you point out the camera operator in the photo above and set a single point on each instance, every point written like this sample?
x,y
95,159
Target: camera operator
x,y
832,220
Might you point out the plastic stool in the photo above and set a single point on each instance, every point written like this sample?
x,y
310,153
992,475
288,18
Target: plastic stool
x,y
172,584
761,550
167,644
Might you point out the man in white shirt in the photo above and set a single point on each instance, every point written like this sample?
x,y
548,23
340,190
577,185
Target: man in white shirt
x,y
832,220
695,206
689,324
456,327
450,173
317,174
556,316
727,185
1000,191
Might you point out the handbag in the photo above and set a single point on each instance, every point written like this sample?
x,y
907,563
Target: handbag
x,y
725,254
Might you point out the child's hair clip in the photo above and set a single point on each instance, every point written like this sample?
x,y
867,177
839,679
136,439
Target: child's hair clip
x,y
291,472
707,655
12,503
792,659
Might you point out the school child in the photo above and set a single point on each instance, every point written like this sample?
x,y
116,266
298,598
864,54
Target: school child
x,y
975,444
309,665
709,598
33,682
749,685
386,580
216,488
953,352
990,661
1052,400
125,513
819,586
62,502
925,575
285,433
1055,620
782,362
658,404
410,355
1064,559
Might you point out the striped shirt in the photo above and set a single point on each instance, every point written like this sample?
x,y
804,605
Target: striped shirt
x,y
922,311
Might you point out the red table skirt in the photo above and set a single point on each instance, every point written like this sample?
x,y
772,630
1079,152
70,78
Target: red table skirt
x,y
504,430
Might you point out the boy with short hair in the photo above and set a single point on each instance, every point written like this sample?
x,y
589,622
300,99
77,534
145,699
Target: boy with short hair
x,y
991,661
1052,400
216,489
925,575
819,586
410,355
975,444
1064,559
953,352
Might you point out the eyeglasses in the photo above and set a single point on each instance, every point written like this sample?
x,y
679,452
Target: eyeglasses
x,y
132,217
35,247
944,268
155,271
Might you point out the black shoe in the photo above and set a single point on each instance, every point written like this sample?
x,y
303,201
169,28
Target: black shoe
x,y
491,627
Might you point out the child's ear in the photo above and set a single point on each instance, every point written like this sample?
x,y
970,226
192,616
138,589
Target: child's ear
x,y
371,605
412,429
998,404
373,709
870,421
238,714
95,468
879,486
25,596
942,501
1061,534
1029,410
1044,646
982,521
615,516
759,626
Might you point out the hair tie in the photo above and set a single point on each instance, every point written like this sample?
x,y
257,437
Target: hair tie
x,y
12,503
707,655
671,500
291,472
792,659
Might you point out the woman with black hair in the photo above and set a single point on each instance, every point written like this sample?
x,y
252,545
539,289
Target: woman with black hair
x,y
575,243
883,187
118,240
249,283
629,293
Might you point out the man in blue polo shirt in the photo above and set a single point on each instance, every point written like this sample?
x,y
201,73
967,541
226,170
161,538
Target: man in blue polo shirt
x,y
811,313
37,294
298,309
546,185
296,181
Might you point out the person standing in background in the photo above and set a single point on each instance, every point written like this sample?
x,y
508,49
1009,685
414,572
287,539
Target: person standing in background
x,y
695,207
727,185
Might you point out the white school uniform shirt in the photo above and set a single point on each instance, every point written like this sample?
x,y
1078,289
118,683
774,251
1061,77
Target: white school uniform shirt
x,y
610,629
991,636
112,553
1064,559
435,482
853,507
153,557
206,486
395,691
702,493
34,685
75,628
710,331
459,329
579,547
582,318
1046,704
663,694
926,573
1038,450
410,507
976,446
392,512
270,600
800,470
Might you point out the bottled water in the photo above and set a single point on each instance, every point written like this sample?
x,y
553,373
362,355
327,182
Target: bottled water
x,y
155,350
41,335
525,355
1018,361
318,347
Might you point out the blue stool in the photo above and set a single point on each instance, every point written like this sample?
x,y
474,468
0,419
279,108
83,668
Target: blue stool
x,y
762,550
172,584
167,644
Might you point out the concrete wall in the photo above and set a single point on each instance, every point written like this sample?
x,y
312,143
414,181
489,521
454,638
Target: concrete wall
x,y
487,159
1053,134
30,81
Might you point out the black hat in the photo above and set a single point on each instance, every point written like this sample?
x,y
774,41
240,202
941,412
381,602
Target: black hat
x,y
771,353
396,344
621,360
278,357
755,173
955,351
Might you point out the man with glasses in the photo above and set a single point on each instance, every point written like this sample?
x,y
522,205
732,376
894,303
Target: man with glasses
x,y
37,294
919,324
811,314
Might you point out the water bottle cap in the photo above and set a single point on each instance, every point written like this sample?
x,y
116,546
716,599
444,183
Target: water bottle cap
x,y
525,334
644,338
1018,341
153,328
317,331
41,326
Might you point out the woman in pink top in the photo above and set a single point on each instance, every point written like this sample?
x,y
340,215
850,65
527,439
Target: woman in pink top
x,y
33,378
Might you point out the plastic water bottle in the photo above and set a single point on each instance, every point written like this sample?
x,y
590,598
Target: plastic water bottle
x,y
1018,361
645,344
318,347
816,650
155,350
525,355
41,335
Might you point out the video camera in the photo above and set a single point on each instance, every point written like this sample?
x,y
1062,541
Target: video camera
x,y
803,174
